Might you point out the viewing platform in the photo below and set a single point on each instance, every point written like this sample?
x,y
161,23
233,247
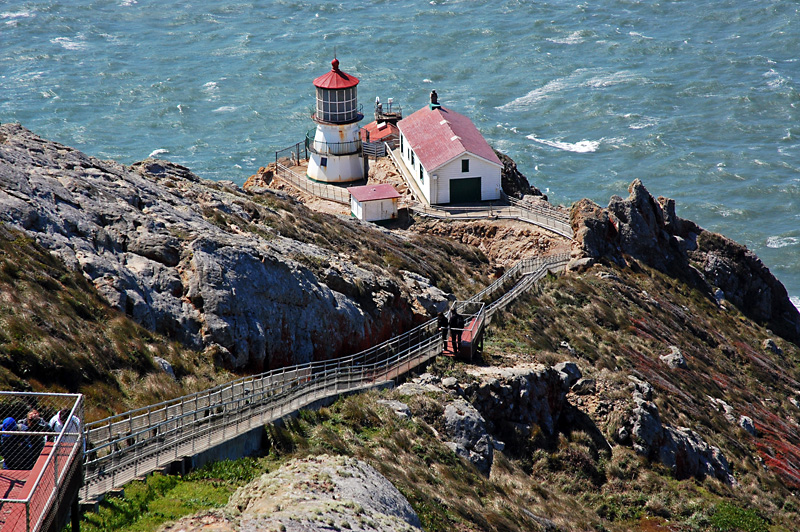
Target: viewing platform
x,y
43,465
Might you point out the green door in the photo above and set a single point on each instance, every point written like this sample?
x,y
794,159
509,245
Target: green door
x,y
467,190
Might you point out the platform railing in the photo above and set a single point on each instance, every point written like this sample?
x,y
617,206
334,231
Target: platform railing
x,y
40,462
130,445
321,190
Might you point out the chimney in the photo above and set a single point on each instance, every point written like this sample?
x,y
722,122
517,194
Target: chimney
x,y
434,100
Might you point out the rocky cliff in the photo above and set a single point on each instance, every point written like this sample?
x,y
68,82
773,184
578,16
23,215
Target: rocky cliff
x,y
257,280
646,229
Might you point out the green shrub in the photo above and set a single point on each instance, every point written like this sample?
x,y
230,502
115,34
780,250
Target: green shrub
x,y
728,517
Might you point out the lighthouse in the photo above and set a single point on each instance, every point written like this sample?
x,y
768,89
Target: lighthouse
x,y
335,144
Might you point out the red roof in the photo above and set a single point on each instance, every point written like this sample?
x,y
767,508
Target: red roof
x,y
373,192
378,131
439,135
336,79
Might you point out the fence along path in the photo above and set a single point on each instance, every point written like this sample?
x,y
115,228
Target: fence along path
x,y
129,445
321,190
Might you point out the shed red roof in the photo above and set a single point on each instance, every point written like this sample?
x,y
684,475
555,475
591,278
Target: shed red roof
x,y
336,79
378,131
439,135
373,192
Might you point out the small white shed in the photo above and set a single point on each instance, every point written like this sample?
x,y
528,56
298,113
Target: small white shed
x,y
373,203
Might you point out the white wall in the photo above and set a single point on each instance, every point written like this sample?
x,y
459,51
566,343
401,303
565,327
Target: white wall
x,y
338,169
425,184
489,174
373,211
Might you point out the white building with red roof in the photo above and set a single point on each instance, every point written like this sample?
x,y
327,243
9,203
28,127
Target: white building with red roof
x,y
448,157
373,203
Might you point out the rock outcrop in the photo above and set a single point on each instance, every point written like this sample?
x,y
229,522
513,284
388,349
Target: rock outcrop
x,y
200,261
513,182
315,494
499,403
681,449
649,230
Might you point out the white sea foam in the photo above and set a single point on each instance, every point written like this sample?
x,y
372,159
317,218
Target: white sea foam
x,y
12,17
574,80
583,146
782,241
128,3
159,151
795,301
573,38
643,122
536,95
69,44
225,109
426,80
615,78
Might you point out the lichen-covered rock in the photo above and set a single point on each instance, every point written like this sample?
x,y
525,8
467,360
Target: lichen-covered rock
x,y
674,359
466,429
312,495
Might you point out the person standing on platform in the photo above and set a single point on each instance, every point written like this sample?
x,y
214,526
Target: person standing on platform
x,y
456,328
441,323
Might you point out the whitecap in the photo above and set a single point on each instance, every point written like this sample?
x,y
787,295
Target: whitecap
x,y
795,301
426,80
225,109
68,44
573,38
639,35
20,14
158,152
583,146
781,241
536,95
128,3
615,78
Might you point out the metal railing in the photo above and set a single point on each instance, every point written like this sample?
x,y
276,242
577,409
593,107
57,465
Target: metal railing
x,y
321,147
132,444
292,153
521,211
321,190
40,460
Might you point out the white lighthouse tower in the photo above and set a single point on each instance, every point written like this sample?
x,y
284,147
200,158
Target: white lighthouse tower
x,y
335,145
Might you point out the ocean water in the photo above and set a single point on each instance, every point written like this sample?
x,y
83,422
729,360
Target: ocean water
x,y
699,99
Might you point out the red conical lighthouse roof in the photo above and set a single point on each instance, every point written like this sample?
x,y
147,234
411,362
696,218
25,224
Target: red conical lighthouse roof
x,y
336,79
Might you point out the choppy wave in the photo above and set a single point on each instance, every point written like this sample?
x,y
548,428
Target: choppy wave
x,y
537,95
225,109
577,79
614,78
68,43
159,151
583,146
777,242
575,37
12,19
